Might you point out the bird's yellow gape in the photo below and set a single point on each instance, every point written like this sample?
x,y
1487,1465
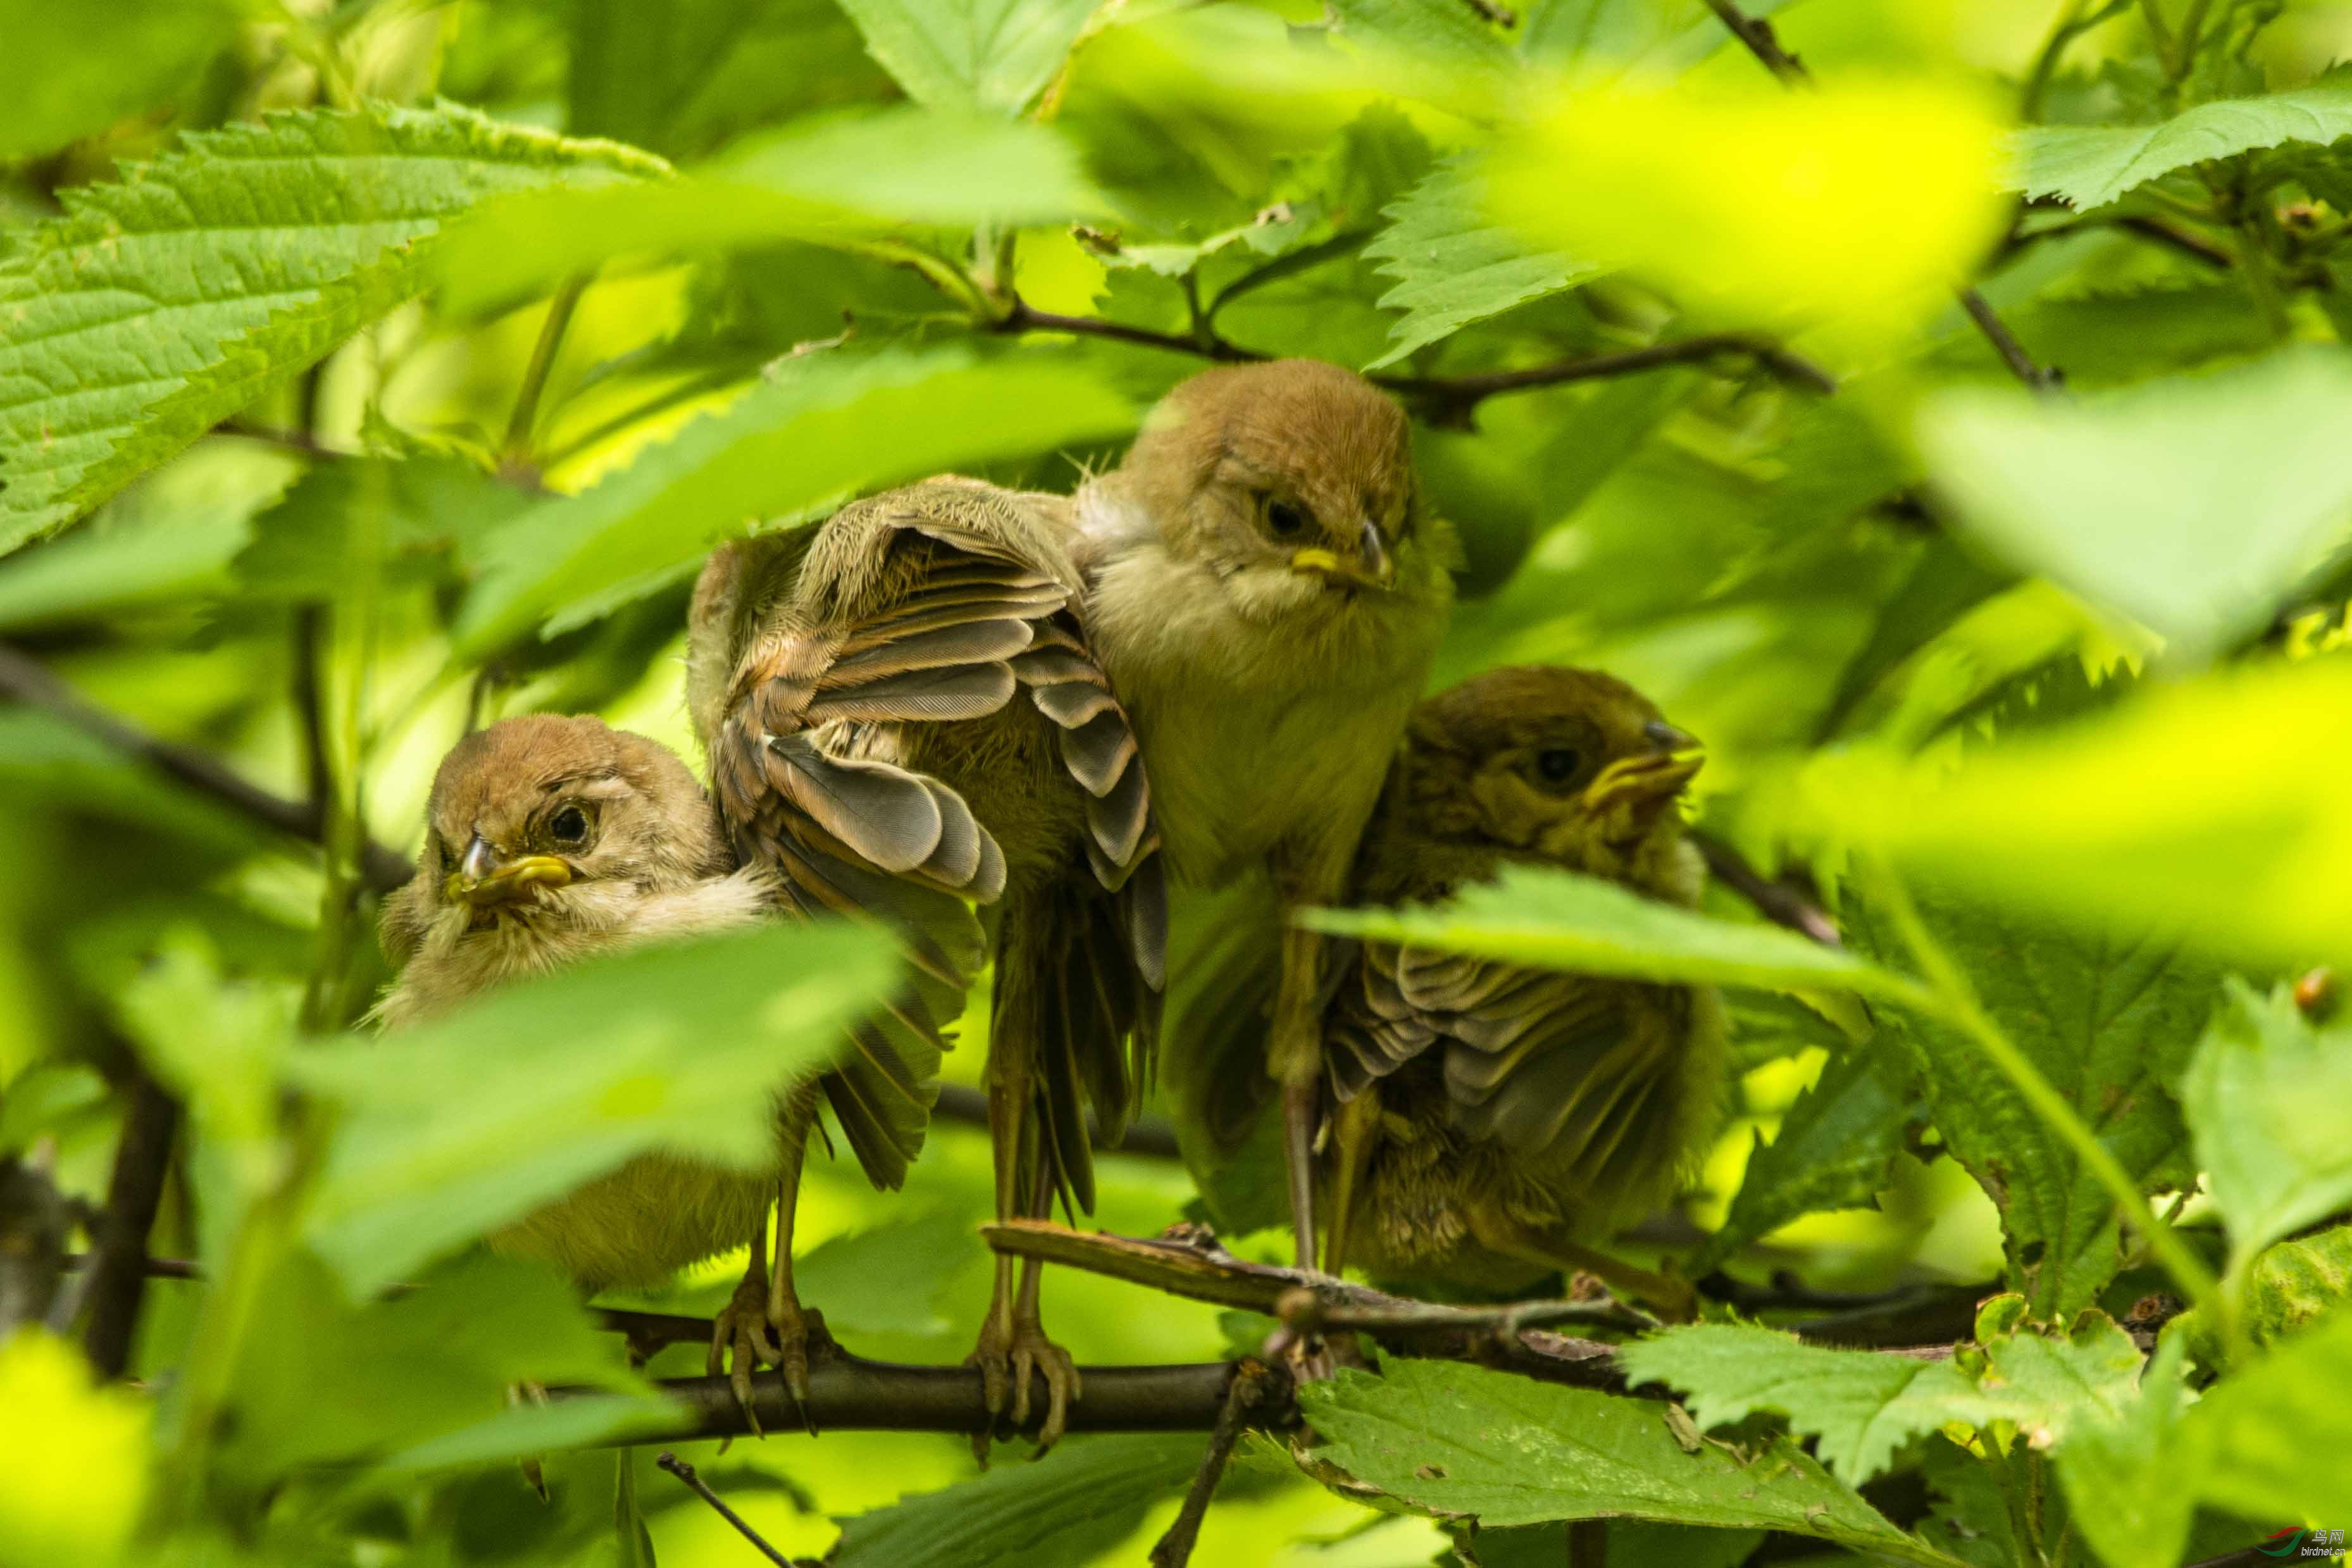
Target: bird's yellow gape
x,y
485,881
1375,569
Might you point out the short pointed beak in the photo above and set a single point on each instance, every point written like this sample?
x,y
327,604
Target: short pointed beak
x,y
1652,779
1372,568
486,881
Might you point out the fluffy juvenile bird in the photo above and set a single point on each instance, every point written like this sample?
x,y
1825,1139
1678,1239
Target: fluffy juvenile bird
x,y
550,839
1485,1121
902,711
1266,591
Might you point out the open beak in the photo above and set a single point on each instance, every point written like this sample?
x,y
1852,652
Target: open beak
x,y
1652,779
1373,567
485,881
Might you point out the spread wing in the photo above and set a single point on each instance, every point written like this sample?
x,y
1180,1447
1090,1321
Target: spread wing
x,y
1576,1075
936,604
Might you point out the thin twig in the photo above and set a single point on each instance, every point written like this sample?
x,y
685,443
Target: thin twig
x,y
1256,1389
28,681
1459,393
1307,1312
2179,239
301,441
1501,16
1760,41
116,1279
1777,901
153,1267
685,1472
1025,318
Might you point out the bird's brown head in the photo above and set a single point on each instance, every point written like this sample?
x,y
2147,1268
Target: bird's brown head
x,y
537,811
1292,482
1569,767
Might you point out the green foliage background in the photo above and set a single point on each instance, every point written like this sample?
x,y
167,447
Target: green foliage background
x,y
368,367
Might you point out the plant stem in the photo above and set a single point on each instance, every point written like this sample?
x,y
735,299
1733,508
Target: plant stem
x,y
525,417
1949,997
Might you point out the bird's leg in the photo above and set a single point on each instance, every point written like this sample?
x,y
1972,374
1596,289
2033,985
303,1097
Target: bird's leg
x,y
739,1336
1295,1060
1354,1127
1029,1346
795,1327
1667,1294
1010,1130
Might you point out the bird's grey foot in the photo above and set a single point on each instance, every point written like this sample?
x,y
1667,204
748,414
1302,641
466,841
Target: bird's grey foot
x,y
800,1334
740,1340
1006,1357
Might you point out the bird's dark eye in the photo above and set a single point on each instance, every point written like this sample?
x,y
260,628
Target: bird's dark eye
x,y
569,825
1558,764
1282,519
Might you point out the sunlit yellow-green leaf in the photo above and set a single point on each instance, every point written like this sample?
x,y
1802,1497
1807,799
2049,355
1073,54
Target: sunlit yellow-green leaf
x,y
1853,207
73,1459
2217,802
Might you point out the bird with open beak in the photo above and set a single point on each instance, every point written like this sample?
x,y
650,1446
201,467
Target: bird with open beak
x,y
1266,591
552,839
1484,1121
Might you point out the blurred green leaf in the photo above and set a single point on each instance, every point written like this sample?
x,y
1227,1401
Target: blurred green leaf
x,y
420,518
993,55
218,1044
888,1278
1453,265
452,1128
73,1470
1088,1495
2272,1158
1661,36
1452,1439
825,427
45,759
2217,800
160,306
74,70
1554,920
2194,505
2269,1440
1863,1405
2090,165
1947,581
41,1096
1834,1152
2109,1015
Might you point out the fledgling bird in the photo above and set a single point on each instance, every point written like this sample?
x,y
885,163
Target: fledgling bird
x,y
1485,1121
548,840
902,711
1266,591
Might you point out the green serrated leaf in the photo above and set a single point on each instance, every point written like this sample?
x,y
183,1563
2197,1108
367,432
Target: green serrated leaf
x,y
2194,505
453,1128
1085,1497
995,55
822,428
2109,1016
2090,165
159,305
1834,1152
417,520
2114,1469
1453,265
2273,1440
1863,1405
1455,1440
2273,1161
1555,920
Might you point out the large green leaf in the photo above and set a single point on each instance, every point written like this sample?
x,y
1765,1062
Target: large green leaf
x,y
971,54
75,70
1453,265
2273,1159
2194,505
2090,165
1452,1440
1067,1508
456,1127
2273,1440
2217,800
1863,1405
2109,1015
2132,1511
1555,920
160,306
821,429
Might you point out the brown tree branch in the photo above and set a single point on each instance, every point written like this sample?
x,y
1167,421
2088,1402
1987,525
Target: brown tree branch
x,y
1779,903
115,1282
29,682
1756,35
1259,1394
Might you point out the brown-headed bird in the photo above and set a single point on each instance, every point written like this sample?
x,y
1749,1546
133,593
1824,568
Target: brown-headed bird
x,y
1266,591
550,839
902,709
1486,1120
